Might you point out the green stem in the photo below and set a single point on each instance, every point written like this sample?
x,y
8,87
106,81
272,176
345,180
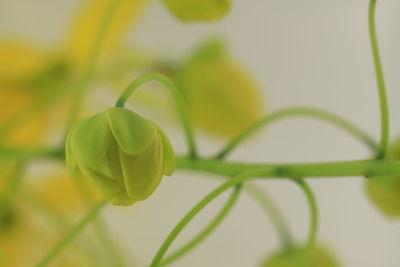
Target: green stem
x,y
297,112
197,208
363,168
312,203
380,82
82,85
177,95
101,229
273,212
206,231
9,154
71,235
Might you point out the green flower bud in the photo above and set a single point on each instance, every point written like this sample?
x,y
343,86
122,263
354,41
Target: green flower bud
x,y
384,192
123,154
198,10
222,98
318,257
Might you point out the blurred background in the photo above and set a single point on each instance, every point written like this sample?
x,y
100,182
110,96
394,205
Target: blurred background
x,y
299,53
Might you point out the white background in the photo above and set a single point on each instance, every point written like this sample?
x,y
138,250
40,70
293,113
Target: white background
x,y
302,52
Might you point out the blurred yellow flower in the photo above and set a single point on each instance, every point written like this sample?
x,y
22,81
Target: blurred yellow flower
x,y
66,194
82,34
222,97
19,63
28,234
13,102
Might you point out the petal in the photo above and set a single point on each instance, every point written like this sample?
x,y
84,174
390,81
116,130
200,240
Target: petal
x,y
105,186
69,157
169,154
132,132
89,140
143,172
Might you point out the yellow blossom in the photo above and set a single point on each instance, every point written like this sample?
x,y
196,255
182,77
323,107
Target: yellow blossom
x,y
82,34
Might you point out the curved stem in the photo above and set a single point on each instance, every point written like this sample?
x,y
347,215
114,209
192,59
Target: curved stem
x,y
312,235
82,85
273,212
71,235
177,95
380,82
196,209
297,112
206,231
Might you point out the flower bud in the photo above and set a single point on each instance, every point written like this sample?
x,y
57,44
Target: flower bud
x,y
198,10
384,192
222,98
317,257
123,154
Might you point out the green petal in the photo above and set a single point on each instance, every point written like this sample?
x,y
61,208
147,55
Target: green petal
x,y
142,173
69,157
169,154
198,10
89,140
105,186
132,132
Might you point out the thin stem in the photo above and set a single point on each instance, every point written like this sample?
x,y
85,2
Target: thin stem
x,y
177,95
312,203
101,228
273,212
71,235
299,112
196,209
206,231
383,144
82,85
9,154
362,168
